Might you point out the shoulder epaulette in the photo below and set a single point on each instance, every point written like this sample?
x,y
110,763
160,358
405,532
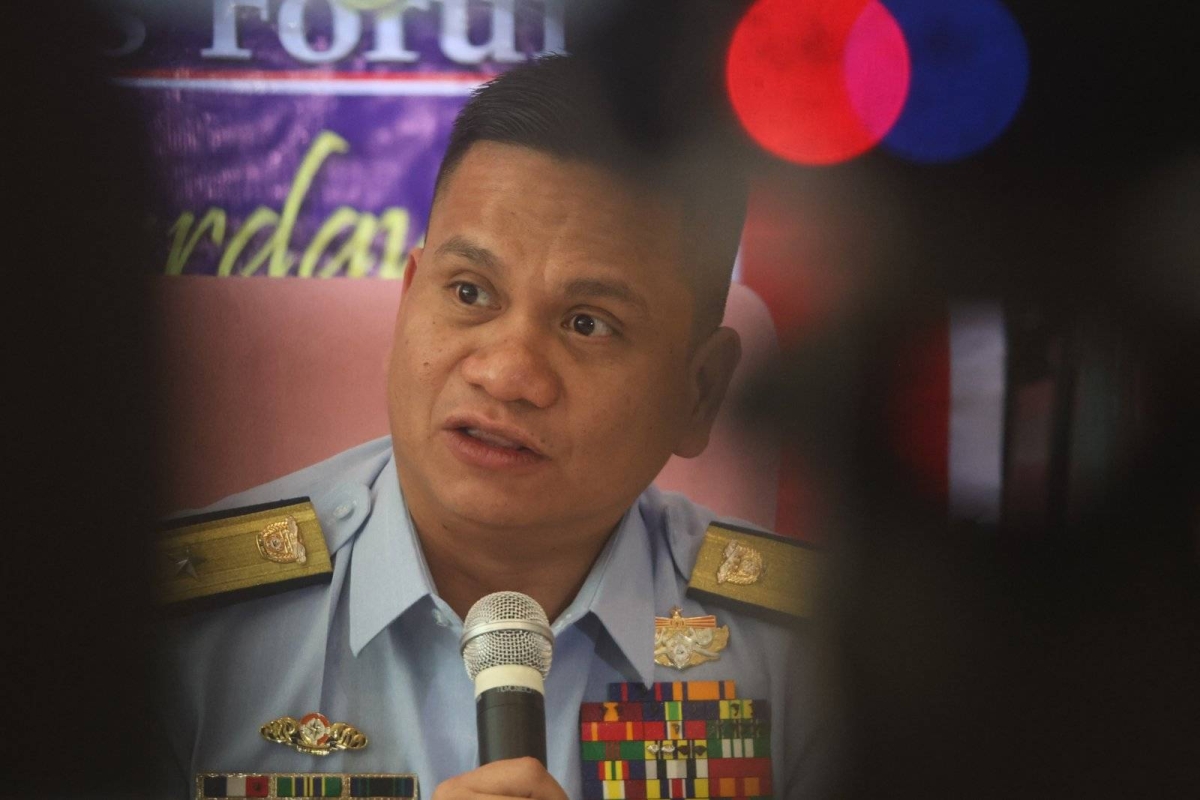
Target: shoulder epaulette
x,y
226,556
756,569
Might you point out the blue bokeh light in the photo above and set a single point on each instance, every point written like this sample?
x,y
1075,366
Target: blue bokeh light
x,y
970,69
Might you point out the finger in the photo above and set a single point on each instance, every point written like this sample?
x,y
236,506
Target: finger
x,y
518,777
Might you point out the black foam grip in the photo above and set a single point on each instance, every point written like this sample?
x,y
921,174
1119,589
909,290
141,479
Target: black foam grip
x,y
511,724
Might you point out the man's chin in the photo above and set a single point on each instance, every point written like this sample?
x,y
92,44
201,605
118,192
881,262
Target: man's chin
x,y
502,514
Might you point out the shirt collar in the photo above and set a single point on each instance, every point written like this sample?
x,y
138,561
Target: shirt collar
x,y
615,592
388,573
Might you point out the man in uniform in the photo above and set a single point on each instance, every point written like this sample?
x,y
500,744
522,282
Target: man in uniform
x,y
557,340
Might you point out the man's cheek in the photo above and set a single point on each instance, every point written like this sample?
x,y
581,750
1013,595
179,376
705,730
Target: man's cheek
x,y
619,424
426,355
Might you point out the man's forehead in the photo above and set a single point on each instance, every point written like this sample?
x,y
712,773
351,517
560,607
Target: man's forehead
x,y
509,202
534,174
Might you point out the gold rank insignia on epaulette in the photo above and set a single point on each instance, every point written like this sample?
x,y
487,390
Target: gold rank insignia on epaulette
x,y
756,569
217,558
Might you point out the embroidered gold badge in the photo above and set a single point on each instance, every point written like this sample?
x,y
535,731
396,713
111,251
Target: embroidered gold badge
x,y
280,541
683,642
743,565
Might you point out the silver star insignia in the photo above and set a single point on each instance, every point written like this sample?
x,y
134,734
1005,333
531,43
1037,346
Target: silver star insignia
x,y
186,563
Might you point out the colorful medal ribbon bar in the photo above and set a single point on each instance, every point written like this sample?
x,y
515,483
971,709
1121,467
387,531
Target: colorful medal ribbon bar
x,y
676,690
375,786
706,744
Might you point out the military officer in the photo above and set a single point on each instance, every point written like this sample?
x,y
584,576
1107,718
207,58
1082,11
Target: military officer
x,y
557,340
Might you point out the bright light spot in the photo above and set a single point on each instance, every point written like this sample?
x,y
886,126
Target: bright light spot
x,y
817,81
970,69
877,44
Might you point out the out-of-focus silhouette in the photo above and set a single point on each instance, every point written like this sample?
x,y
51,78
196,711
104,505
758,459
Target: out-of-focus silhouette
x,y
79,483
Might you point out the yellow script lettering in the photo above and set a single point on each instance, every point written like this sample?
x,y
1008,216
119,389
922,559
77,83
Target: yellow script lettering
x,y
183,244
354,256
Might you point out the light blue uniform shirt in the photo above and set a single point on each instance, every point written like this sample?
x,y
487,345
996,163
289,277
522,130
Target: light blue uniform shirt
x,y
378,649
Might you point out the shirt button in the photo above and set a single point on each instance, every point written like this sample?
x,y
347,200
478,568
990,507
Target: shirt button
x,y
344,510
440,618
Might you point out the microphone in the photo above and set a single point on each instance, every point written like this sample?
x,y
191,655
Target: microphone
x,y
506,647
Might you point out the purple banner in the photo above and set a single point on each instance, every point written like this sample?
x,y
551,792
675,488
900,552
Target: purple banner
x,y
301,138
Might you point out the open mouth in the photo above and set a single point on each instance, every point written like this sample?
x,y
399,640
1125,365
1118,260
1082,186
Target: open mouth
x,y
492,445
495,440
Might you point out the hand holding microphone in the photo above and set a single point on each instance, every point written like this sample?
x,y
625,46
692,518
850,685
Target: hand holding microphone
x,y
518,777
507,646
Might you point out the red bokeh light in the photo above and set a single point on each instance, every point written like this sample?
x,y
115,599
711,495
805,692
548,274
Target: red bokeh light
x,y
817,81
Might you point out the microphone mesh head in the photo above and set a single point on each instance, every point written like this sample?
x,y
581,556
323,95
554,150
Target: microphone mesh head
x,y
515,646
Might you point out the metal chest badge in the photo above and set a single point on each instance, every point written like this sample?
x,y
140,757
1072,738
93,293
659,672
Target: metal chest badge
x,y
280,542
314,734
683,642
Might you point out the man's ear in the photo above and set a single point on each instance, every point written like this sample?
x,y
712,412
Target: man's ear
x,y
709,375
410,269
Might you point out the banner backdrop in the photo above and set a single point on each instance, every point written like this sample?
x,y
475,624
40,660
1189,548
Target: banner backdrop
x,y
301,138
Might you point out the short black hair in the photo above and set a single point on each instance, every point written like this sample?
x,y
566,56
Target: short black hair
x,y
562,106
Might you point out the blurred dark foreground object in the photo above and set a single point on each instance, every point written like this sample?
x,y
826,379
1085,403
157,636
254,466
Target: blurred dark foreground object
x,y
78,394
1054,654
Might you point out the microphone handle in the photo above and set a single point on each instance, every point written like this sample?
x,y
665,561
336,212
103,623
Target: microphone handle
x,y
511,724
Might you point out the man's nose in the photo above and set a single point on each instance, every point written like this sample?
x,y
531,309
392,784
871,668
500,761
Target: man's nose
x,y
514,367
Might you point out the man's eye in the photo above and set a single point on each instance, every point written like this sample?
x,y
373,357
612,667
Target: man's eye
x,y
587,325
471,295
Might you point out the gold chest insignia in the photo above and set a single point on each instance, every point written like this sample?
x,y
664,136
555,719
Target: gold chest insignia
x,y
314,734
280,541
743,565
683,642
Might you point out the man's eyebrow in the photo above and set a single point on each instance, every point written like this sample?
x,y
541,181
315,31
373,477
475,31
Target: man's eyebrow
x,y
579,288
606,289
465,248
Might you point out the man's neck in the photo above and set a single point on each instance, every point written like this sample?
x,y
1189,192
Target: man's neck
x,y
469,561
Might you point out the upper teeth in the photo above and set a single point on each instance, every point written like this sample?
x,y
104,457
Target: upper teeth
x,y
493,439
